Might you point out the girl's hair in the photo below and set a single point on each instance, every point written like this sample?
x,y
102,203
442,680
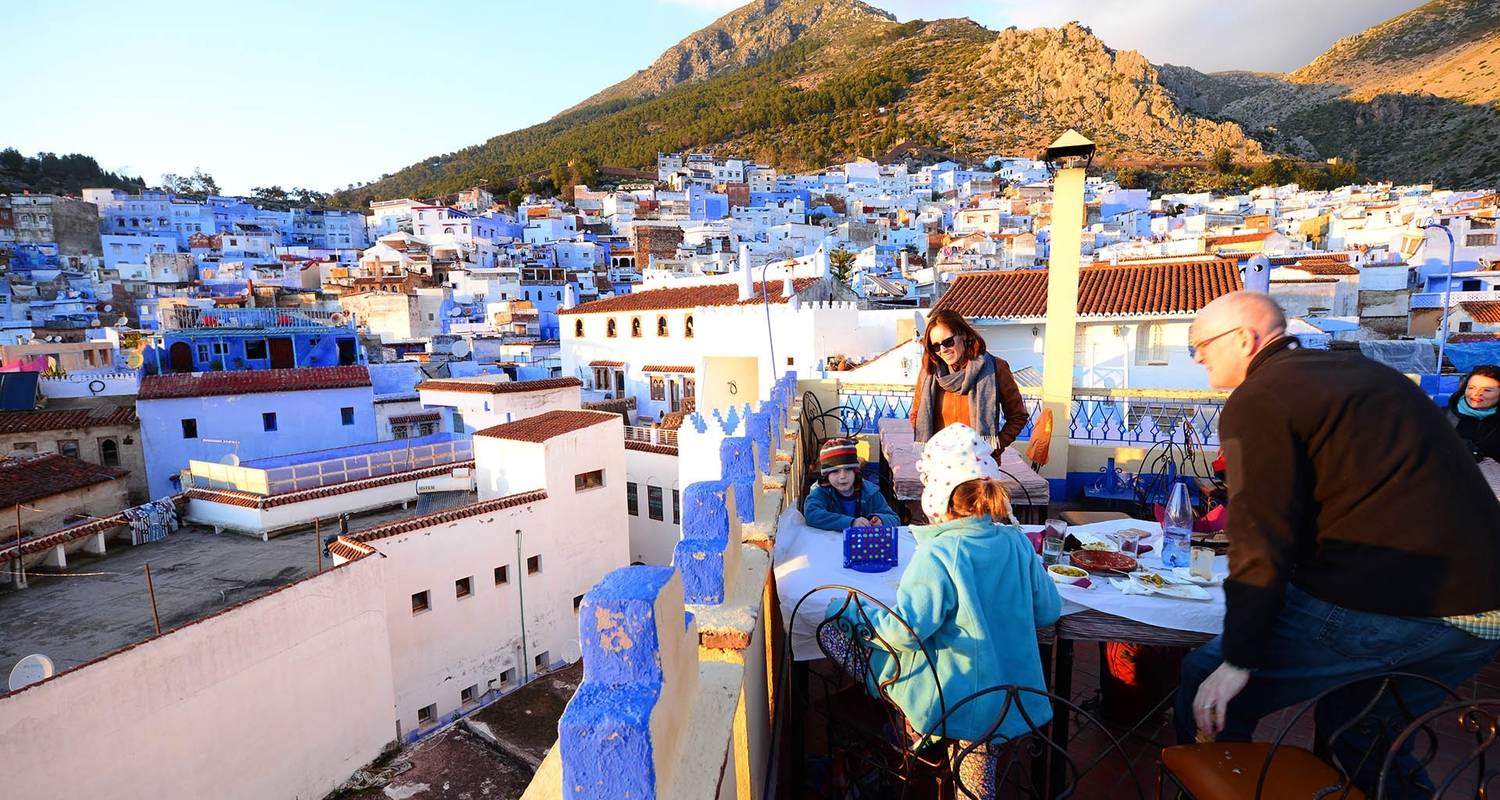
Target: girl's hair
x,y
974,344
979,497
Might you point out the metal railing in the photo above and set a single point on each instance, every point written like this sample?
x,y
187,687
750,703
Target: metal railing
x,y
192,317
661,436
1101,416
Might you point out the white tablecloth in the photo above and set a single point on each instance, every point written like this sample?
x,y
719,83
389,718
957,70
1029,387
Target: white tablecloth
x,y
807,558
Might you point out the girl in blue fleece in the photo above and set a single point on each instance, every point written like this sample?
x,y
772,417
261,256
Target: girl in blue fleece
x,y
974,594
842,499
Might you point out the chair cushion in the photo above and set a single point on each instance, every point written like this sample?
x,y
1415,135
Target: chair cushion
x,y
1231,769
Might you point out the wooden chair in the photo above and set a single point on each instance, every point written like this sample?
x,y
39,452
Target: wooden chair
x,y
1278,769
869,749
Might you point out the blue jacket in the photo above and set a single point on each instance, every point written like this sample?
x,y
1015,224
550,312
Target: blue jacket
x,y
974,595
822,508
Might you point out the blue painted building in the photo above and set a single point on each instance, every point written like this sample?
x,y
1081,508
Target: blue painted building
x,y
234,339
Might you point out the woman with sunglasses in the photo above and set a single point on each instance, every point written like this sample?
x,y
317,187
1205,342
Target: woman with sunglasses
x,y
961,381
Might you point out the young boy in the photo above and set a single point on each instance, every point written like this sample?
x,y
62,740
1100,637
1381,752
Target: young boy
x,y
842,499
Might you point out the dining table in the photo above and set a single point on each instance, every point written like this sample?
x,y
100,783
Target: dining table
x,y
1029,492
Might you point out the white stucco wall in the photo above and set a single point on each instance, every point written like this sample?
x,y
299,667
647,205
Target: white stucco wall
x,y
1104,358
651,541
481,409
284,696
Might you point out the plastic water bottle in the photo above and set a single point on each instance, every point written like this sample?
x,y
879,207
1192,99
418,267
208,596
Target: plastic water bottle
x,y
1177,528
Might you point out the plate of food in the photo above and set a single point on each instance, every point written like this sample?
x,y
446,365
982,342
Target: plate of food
x,y
1169,587
1103,561
1062,573
1185,576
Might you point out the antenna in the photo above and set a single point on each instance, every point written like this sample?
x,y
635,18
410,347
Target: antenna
x,y
34,668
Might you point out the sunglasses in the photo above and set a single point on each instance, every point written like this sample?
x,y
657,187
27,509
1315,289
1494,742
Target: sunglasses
x,y
945,343
1194,348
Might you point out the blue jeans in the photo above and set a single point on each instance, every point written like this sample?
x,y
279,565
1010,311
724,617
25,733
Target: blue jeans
x,y
1317,646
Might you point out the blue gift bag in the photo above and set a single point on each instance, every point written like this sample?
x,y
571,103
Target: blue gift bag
x,y
870,548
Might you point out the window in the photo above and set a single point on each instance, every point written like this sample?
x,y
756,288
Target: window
x,y
533,565
419,602
109,453
24,447
190,429
1463,327
689,387
426,714
584,481
469,696
255,348
400,431
1479,240
578,328
202,353
577,601
502,575
676,508
635,327
542,659
609,328
346,415
463,587
658,388
632,504
653,502
508,677
68,447
268,420
661,326
1150,344
426,428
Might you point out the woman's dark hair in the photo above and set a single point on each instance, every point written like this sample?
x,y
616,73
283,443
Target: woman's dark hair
x,y
1490,371
974,344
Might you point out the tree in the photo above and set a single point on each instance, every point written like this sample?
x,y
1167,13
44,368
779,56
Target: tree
x,y
203,183
11,160
841,264
269,193
559,176
1222,161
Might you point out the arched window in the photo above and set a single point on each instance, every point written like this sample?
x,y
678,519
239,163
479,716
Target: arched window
x,y
661,326
687,326
578,328
1150,344
635,327
109,453
609,328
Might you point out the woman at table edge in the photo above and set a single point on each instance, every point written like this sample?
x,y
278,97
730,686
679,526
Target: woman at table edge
x,y
961,381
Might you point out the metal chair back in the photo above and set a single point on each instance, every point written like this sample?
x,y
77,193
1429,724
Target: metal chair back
x,y
1477,721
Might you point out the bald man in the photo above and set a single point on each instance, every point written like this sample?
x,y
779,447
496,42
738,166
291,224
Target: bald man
x,y
1363,538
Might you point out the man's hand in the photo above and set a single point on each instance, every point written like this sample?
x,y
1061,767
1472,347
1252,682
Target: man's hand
x,y
1211,705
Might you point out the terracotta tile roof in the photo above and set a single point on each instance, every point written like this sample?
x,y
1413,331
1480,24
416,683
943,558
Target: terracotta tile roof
x,y
33,477
1484,312
1286,261
718,294
64,419
647,447
500,387
348,549
1322,266
542,427
447,515
36,544
425,416
672,420
206,384
618,405
1180,287
1304,280
234,497
1237,238
667,368
602,363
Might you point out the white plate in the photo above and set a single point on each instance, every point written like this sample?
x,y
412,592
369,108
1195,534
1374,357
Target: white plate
x,y
1182,575
1180,591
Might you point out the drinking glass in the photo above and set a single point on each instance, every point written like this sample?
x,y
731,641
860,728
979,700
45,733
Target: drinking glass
x,y
1052,541
1130,543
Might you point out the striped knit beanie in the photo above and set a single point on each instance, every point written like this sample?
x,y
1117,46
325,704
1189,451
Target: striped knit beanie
x,y
836,454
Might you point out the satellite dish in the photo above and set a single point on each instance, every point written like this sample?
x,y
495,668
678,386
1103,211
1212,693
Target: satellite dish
x,y
108,308
231,459
94,323
122,322
34,668
134,359
459,348
455,312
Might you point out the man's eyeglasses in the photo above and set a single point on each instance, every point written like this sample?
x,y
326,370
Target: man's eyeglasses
x,y
1194,348
939,345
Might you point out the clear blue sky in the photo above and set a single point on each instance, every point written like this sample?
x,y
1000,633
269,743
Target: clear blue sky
x,y
323,93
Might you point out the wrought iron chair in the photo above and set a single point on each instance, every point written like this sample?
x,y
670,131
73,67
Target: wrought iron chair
x,y
870,746
1478,718
1091,763
1216,770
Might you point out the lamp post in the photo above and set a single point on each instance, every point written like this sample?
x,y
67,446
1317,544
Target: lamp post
x,y
1067,159
1447,292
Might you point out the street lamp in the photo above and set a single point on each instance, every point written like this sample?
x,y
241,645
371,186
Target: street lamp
x,y
1447,291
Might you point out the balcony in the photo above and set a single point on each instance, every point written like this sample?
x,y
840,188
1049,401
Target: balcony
x,y
658,436
194,318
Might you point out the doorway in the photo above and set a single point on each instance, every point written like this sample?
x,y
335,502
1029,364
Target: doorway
x,y
282,354
180,357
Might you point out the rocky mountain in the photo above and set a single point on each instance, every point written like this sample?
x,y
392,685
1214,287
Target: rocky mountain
x,y
799,83
739,38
